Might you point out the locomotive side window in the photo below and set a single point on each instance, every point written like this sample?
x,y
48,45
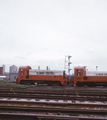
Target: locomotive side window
x,y
41,73
51,73
21,73
22,69
78,74
47,73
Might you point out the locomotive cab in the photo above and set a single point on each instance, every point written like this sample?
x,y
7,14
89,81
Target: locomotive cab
x,y
23,73
79,73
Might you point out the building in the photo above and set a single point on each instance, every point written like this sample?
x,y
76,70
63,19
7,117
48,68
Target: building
x,y
13,73
13,76
13,69
1,71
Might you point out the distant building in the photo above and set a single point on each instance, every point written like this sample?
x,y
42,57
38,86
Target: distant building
x,y
13,69
13,73
13,76
6,73
1,70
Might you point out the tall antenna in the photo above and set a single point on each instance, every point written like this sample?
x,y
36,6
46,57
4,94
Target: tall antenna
x,y
67,66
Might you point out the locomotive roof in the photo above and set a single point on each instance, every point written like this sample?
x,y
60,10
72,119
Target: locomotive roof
x,y
82,67
24,67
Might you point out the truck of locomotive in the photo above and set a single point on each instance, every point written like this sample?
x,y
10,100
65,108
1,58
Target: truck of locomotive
x,y
81,77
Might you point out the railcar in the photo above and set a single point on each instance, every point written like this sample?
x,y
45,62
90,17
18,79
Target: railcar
x,y
27,75
90,78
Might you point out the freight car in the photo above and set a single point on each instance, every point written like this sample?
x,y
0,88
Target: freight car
x,y
90,78
27,75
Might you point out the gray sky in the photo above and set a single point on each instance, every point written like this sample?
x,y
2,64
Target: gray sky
x,y
42,32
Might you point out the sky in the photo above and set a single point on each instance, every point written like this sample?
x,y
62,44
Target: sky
x,y
42,32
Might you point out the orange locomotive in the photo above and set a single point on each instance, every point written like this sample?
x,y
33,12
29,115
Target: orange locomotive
x,y
90,78
27,75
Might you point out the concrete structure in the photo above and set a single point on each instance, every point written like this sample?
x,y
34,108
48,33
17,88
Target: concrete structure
x,y
13,76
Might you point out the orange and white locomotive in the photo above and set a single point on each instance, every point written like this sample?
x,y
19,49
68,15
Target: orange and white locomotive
x,y
90,78
27,75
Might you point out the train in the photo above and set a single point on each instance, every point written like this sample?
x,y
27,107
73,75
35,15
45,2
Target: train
x,y
81,77
27,75
89,78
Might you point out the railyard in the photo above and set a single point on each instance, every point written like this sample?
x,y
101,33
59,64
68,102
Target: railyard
x,y
53,60
53,102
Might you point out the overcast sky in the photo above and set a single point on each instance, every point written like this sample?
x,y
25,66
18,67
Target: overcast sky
x,y
42,32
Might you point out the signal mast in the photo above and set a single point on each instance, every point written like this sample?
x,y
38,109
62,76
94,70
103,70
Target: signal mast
x,y
67,66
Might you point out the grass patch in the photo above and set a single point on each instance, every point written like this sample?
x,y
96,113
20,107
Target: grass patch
x,y
2,83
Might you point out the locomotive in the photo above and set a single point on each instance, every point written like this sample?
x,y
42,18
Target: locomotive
x,y
90,78
27,75
81,77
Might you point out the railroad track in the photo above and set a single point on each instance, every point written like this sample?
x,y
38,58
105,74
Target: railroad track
x,y
17,116
56,103
59,111
54,96
80,93
73,105
57,91
53,107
